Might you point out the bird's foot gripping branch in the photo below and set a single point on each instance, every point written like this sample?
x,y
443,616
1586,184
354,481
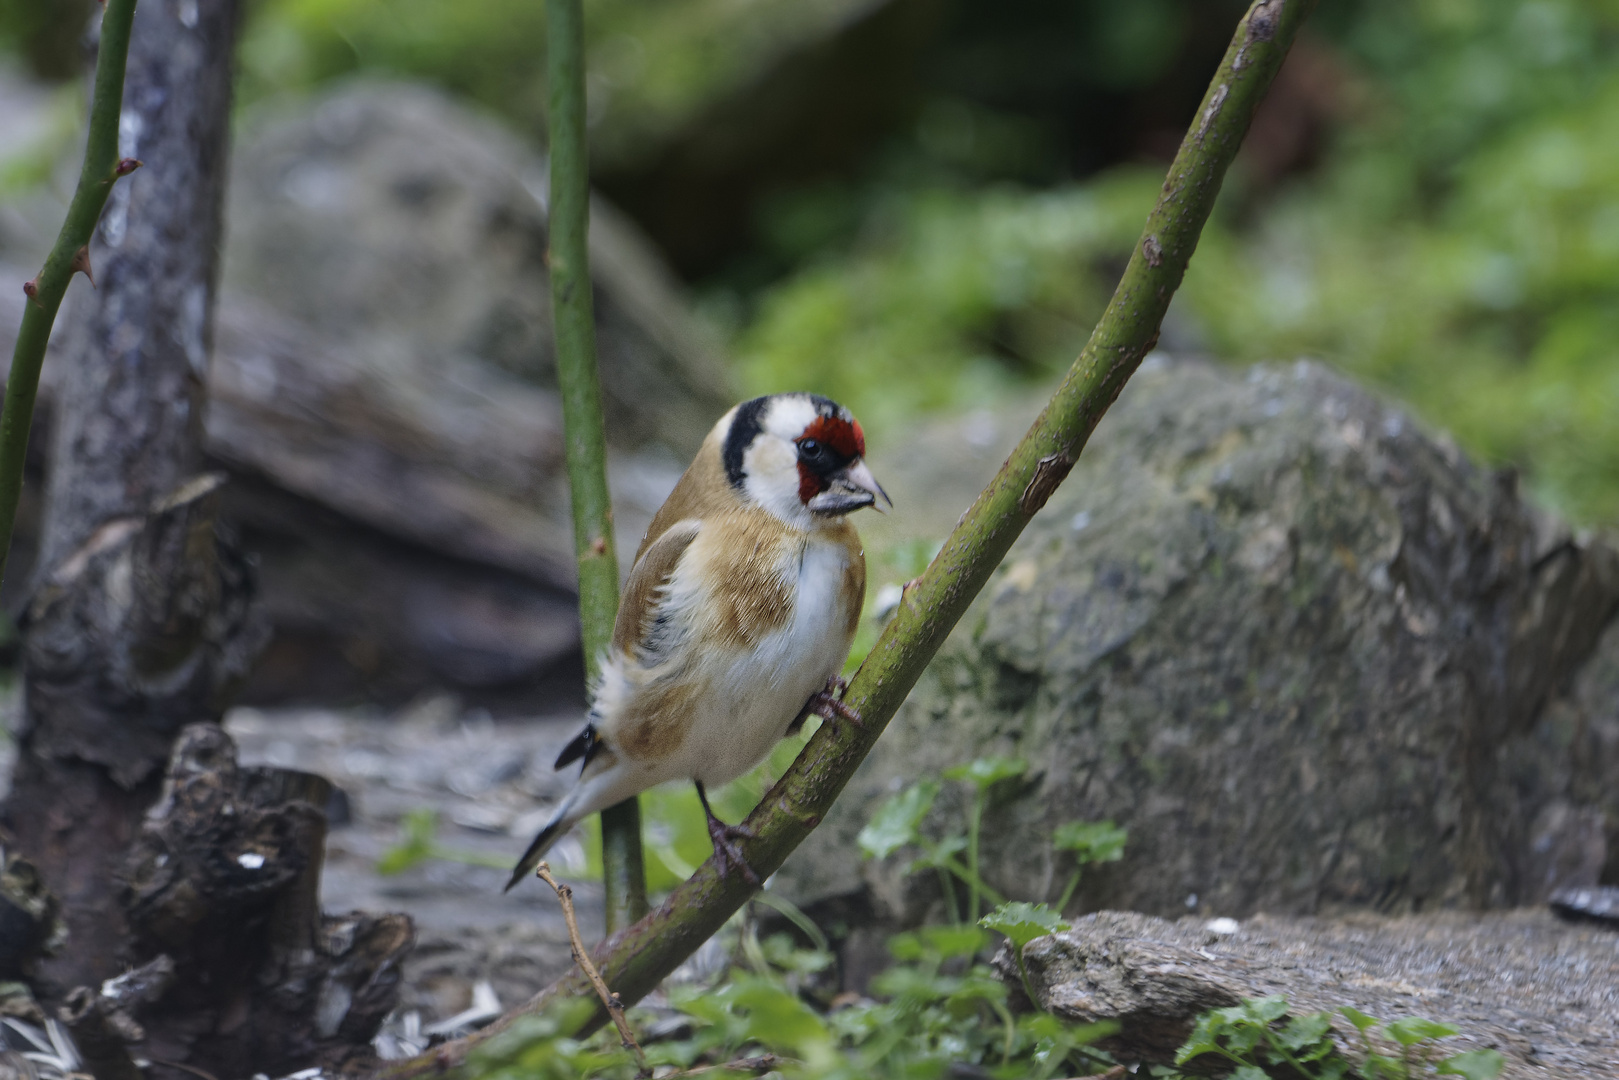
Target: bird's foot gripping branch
x,y
637,958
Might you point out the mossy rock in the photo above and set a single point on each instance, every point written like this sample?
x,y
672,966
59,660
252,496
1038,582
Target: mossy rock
x,y
1276,630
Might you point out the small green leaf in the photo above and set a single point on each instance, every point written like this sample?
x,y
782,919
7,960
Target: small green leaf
x,y
1245,1035
1305,1031
1381,1065
939,853
896,821
1265,1009
1248,1072
1361,1021
1473,1064
1334,1068
417,830
985,772
1022,923
907,947
1205,1037
1091,841
1414,1029
1194,1047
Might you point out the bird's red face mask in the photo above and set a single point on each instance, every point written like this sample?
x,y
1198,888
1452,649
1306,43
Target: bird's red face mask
x,y
832,475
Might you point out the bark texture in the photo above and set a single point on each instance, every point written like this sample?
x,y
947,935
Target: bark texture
x,y
224,881
140,621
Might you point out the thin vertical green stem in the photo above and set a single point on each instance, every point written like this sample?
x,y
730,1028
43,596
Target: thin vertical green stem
x,y
70,254
573,318
975,820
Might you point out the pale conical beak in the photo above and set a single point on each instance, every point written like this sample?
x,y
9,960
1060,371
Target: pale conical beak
x,y
852,488
859,477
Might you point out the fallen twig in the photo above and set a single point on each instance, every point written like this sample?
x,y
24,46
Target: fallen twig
x,y
615,1007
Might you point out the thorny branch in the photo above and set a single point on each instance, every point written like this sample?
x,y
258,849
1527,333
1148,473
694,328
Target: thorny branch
x,y
638,958
70,255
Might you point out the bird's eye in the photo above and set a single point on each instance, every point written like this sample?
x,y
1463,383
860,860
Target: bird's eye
x,y
809,449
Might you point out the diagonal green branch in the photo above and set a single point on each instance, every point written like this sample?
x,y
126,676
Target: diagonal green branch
x,y
70,254
636,959
624,871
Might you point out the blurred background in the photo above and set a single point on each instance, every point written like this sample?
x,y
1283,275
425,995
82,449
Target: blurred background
x,y
914,206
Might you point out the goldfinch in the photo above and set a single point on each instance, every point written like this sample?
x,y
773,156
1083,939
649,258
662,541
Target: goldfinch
x,y
737,616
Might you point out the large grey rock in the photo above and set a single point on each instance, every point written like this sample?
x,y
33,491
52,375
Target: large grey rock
x,y
1278,632
409,231
1538,991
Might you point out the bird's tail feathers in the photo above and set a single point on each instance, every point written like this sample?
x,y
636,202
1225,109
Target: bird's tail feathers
x,y
595,793
559,824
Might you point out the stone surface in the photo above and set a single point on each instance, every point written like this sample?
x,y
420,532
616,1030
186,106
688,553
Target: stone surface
x,y
1281,634
411,231
1574,752
1560,1017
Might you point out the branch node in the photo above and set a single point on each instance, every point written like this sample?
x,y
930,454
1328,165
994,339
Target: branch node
x,y
30,289
126,166
1152,250
1048,473
81,264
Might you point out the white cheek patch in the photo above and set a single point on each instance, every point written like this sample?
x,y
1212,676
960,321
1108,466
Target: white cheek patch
x,y
771,465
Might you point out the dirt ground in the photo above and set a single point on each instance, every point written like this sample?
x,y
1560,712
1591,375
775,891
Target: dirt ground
x,y
491,785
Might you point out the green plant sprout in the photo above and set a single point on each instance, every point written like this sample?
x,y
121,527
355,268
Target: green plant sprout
x,y
983,774
1021,923
898,824
418,843
893,564
1258,1036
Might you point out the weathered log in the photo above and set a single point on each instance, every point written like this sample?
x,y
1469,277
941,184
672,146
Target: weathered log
x,y
102,1022
225,880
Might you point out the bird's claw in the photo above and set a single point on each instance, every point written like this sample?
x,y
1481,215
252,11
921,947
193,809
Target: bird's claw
x,y
726,852
828,703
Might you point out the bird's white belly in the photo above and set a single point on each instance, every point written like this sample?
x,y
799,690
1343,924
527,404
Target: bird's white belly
x,y
750,698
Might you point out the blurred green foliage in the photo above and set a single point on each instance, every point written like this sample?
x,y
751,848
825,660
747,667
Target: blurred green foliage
x,y
1459,247
652,63
950,298
46,34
